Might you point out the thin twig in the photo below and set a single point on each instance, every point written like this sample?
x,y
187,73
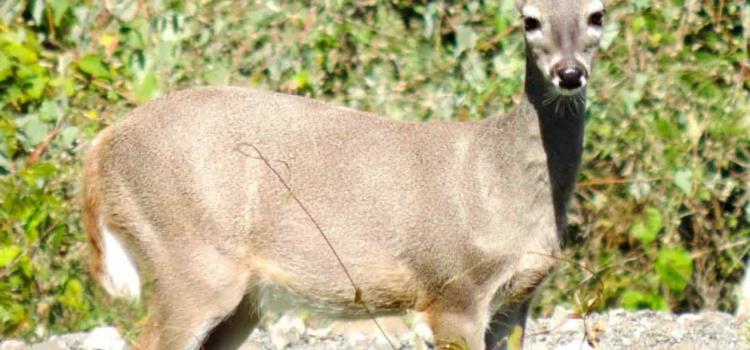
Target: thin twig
x,y
728,245
42,147
617,181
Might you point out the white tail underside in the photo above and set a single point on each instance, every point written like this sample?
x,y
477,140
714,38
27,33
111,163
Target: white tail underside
x,y
120,276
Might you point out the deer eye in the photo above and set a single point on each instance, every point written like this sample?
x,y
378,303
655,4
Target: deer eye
x,y
531,24
596,19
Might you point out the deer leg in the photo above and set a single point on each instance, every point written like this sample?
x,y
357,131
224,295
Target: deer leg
x,y
507,328
453,330
171,330
232,332
183,315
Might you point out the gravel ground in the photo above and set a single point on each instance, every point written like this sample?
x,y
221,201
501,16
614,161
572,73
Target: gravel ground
x,y
616,329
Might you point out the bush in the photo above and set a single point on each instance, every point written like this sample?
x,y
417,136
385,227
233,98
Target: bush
x,y
661,216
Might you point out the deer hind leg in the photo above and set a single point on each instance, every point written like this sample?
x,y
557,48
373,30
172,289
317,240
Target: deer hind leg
x,y
232,332
184,314
168,330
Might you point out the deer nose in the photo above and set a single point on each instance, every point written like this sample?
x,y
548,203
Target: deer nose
x,y
570,77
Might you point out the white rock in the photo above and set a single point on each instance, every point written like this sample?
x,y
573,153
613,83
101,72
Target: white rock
x,y
356,339
626,341
743,295
687,319
104,338
381,343
319,332
560,315
13,345
53,343
677,334
571,325
575,345
286,331
637,334
423,333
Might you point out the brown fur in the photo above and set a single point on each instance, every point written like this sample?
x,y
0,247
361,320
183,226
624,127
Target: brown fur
x,y
91,201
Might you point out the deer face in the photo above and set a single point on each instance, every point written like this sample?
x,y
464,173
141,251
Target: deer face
x,y
562,37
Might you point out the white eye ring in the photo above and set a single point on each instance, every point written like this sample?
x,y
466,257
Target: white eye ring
x,y
534,35
595,32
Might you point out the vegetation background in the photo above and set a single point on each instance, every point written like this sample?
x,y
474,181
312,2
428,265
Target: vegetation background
x,y
661,218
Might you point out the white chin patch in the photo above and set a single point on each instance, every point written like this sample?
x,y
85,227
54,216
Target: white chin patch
x,y
556,81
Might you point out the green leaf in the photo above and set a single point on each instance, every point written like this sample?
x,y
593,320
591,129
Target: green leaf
x,y
302,79
683,179
611,33
93,66
635,300
50,112
217,75
36,87
466,39
59,8
674,267
68,136
32,223
646,229
66,84
22,53
147,87
38,173
8,253
5,67
12,314
641,4
26,267
37,11
73,294
35,130
4,165
638,23
124,10
474,70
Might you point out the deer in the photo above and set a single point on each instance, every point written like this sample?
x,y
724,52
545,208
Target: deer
x,y
216,204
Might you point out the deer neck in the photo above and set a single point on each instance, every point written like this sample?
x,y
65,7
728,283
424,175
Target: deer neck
x,y
561,124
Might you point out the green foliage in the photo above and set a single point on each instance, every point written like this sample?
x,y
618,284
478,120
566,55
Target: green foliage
x,y
661,215
646,229
93,66
44,286
674,267
633,299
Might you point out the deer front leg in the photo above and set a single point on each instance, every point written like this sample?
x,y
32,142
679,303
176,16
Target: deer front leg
x,y
455,329
507,328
